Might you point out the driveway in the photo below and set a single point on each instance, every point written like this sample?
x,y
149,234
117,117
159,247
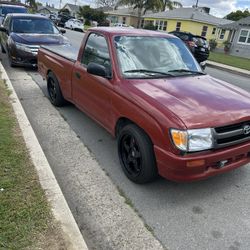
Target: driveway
x,y
211,214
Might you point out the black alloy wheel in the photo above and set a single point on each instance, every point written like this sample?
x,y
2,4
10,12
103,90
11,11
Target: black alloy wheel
x,y
54,91
136,154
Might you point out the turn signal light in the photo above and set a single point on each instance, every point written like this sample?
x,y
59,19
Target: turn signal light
x,y
196,163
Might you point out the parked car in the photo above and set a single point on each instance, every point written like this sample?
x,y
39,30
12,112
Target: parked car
x,y
62,19
22,34
10,8
198,45
74,24
122,25
146,89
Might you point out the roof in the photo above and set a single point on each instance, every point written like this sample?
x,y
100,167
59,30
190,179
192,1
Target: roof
x,y
27,15
123,12
12,5
194,14
50,9
235,25
73,7
129,31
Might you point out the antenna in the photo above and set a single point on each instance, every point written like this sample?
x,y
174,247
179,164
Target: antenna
x,y
197,2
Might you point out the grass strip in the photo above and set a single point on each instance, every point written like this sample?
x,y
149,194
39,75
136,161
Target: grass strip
x,y
24,211
235,61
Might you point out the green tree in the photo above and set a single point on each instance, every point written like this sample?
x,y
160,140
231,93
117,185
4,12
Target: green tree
x,y
170,4
143,6
237,15
91,14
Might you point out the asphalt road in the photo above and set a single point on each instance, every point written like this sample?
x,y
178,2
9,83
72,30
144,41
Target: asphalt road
x,y
211,214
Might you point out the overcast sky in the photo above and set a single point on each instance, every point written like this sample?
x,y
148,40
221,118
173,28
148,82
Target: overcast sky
x,y
219,8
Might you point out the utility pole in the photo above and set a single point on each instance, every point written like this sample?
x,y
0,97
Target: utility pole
x,y
60,5
197,2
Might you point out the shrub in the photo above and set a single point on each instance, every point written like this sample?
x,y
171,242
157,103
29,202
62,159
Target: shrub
x,y
87,22
150,26
213,44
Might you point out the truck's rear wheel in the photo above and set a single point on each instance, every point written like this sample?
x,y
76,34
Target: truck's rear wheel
x,y
136,154
54,91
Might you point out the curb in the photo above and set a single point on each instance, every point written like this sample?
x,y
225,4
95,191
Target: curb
x,y
228,68
60,209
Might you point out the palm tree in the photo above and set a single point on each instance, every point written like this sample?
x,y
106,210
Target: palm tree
x,y
142,6
32,4
170,4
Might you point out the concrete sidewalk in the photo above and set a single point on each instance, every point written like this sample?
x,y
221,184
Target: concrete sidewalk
x,y
228,68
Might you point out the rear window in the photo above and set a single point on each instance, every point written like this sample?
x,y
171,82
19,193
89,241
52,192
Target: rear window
x,y
9,9
200,41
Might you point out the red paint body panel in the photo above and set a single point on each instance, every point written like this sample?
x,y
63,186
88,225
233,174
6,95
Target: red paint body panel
x,y
156,105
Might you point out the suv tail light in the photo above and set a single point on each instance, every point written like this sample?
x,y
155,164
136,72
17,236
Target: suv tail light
x,y
191,44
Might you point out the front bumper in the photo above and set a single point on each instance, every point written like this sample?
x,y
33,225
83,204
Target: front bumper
x,y
175,167
22,58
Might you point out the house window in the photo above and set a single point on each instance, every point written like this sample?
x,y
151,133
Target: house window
x,y
214,30
204,31
165,25
222,34
244,36
161,25
178,26
124,20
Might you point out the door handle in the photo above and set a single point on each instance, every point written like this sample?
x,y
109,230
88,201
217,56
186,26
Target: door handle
x,y
77,75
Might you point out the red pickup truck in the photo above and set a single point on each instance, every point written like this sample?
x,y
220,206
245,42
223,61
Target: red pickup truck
x,y
147,90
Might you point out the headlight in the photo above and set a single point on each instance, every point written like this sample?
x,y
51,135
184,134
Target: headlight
x,y
192,140
23,47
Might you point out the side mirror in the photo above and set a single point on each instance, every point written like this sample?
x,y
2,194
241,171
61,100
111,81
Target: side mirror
x,y
203,65
62,31
2,29
97,69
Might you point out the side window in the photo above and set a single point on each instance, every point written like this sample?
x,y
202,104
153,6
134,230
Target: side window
x,y
6,23
96,51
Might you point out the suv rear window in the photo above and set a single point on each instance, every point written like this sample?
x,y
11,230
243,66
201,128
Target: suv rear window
x,y
200,41
8,9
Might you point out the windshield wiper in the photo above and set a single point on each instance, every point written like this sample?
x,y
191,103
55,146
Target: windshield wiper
x,y
147,71
188,71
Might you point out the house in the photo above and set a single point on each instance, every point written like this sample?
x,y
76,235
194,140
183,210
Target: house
x,y
239,36
126,16
194,20
73,9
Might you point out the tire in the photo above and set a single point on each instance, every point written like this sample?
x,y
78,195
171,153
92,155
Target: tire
x,y
54,91
11,63
136,154
2,49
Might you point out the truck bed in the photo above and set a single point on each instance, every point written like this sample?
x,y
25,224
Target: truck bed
x,y
66,51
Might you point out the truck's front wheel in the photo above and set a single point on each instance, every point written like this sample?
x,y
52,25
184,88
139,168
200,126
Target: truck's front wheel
x,y
136,154
54,91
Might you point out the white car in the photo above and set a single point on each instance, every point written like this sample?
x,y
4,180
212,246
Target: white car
x,y
122,25
74,24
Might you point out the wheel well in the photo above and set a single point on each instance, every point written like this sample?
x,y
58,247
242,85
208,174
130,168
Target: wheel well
x,y
123,121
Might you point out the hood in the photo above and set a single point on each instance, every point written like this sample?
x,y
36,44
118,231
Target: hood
x,y
39,39
199,101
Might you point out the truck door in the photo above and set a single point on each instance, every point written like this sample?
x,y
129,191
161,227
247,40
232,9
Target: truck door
x,y
93,93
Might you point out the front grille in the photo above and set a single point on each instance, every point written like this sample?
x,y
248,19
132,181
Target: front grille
x,y
231,134
33,48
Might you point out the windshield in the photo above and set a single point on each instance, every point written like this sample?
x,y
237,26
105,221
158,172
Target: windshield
x,y
141,57
7,10
33,25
